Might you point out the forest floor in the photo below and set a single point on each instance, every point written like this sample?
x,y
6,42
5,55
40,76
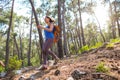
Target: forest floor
x,y
81,67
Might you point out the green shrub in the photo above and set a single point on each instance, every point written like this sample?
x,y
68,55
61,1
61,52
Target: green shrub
x,y
97,45
72,49
115,40
14,63
101,67
84,48
110,45
2,69
35,60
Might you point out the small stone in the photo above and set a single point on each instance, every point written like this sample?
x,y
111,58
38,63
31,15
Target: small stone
x,y
47,78
2,74
70,78
114,68
77,74
22,78
111,78
18,71
118,71
100,57
111,61
57,72
97,75
31,78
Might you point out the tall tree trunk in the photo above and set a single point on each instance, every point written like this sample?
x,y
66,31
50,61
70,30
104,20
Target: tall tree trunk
x,y
37,23
14,49
81,25
78,29
60,49
21,50
73,38
117,18
78,32
29,50
100,28
64,32
68,43
118,24
112,23
17,48
8,37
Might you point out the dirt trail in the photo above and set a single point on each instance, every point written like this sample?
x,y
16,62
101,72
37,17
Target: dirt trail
x,y
85,63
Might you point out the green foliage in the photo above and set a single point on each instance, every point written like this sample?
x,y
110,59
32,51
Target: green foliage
x,y
35,60
115,40
2,69
72,48
14,63
97,45
110,45
84,48
101,67
112,41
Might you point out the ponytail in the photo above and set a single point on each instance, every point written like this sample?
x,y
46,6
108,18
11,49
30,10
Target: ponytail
x,y
51,20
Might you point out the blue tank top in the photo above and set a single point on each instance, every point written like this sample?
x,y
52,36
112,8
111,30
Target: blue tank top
x,y
48,34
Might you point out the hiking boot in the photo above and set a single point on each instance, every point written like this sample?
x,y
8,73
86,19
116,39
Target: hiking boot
x,y
43,67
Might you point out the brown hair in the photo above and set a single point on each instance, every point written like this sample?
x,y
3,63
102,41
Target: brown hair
x,y
51,20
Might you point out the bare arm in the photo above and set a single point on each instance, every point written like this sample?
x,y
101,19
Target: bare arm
x,y
47,29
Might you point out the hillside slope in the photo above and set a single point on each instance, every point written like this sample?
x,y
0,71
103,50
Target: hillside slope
x,y
82,67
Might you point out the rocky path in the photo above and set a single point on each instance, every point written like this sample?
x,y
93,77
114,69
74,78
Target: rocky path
x,y
81,67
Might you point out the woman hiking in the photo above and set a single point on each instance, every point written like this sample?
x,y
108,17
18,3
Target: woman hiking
x,y
49,38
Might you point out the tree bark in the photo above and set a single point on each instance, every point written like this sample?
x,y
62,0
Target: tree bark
x,y
17,48
68,43
73,38
29,50
78,32
116,17
78,29
59,44
100,28
37,23
64,32
112,23
81,25
8,37
21,50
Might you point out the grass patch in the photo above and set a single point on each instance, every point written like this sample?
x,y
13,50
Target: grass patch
x,y
115,40
14,63
84,48
110,46
97,45
102,68
2,69
87,48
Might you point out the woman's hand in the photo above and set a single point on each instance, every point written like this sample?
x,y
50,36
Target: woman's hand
x,y
40,27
